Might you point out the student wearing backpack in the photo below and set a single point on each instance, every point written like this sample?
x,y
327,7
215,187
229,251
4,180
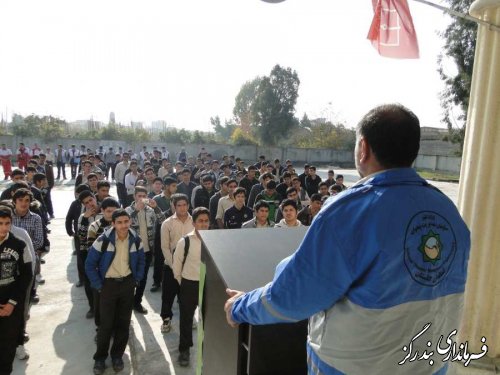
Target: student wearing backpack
x,y
115,266
186,268
172,230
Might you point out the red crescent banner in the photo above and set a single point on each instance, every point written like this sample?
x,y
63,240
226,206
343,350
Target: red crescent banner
x,y
392,32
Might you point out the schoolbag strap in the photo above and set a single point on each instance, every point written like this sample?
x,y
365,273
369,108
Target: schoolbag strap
x,y
186,249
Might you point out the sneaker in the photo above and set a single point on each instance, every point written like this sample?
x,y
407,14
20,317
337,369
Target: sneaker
x,y
117,364
35,299
52,216
140,309
40,279
166,326
155,288
26,337
89,314
184,358
79,284
22,353
99,367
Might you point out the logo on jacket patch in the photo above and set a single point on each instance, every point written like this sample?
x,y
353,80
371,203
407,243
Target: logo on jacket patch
x,y
430,246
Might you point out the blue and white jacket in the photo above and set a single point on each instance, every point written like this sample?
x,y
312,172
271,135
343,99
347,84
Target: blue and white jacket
x,y
379,262
98,262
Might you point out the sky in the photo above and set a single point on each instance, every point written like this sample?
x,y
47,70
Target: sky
x,y
185,61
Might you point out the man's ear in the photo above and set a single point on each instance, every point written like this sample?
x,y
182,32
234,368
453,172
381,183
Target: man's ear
x,y
365,151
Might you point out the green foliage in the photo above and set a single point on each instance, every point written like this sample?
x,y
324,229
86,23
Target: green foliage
x,y
183,136
460,45
267,105
325,135
49,128
222,132
111,132
240,138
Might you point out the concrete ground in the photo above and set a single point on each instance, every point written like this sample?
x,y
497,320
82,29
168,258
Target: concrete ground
x,y
62,340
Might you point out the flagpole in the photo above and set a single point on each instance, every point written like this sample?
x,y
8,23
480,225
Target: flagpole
x,y
460,15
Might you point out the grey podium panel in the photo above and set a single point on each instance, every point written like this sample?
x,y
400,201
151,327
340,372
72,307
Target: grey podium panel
x,y
245,259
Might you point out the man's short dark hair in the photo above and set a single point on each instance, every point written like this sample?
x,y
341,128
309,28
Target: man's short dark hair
x,y
178,197
266,175
312,167
198,211
109,202
316,197
289,202
232,181
336,188
167,181
339,176
186,170
290,190
18,185
159,179
239,190
140,189
322,183
119,212
206,178
258,205
252,168
92,175
87,162
30,169
21,193
38,177
286,175
103,183
6,212
82,187
85,194
17,172
393,133
224,180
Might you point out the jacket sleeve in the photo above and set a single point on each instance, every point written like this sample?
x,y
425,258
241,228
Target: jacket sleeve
x,y
141,262
69,219
24,278
92,264
178,257
314,278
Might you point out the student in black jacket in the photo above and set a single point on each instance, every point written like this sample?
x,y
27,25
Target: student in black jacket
x,y
15,277
74,212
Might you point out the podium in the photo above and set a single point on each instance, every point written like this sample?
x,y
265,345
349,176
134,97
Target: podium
x,y
245,259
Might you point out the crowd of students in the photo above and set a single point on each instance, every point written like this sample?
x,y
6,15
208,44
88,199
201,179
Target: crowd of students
x,y
162,202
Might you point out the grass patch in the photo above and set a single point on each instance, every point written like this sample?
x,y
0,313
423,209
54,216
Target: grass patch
x,y
438,176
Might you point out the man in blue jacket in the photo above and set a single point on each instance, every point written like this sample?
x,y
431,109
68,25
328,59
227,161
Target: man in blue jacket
x,y
382,269
115,266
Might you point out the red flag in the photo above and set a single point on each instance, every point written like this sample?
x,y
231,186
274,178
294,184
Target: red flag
x,y
392,32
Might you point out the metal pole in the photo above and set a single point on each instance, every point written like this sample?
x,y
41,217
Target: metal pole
x,y
461,15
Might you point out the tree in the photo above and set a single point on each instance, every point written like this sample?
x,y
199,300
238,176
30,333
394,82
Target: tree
x,y
324,134
268,105
51,128
223,132
240,138
460,45
111,132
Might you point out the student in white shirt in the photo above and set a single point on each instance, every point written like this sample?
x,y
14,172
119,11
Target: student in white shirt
x,y
186,268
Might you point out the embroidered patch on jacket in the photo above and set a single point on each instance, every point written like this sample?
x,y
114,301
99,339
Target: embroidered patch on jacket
x,y
430,246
